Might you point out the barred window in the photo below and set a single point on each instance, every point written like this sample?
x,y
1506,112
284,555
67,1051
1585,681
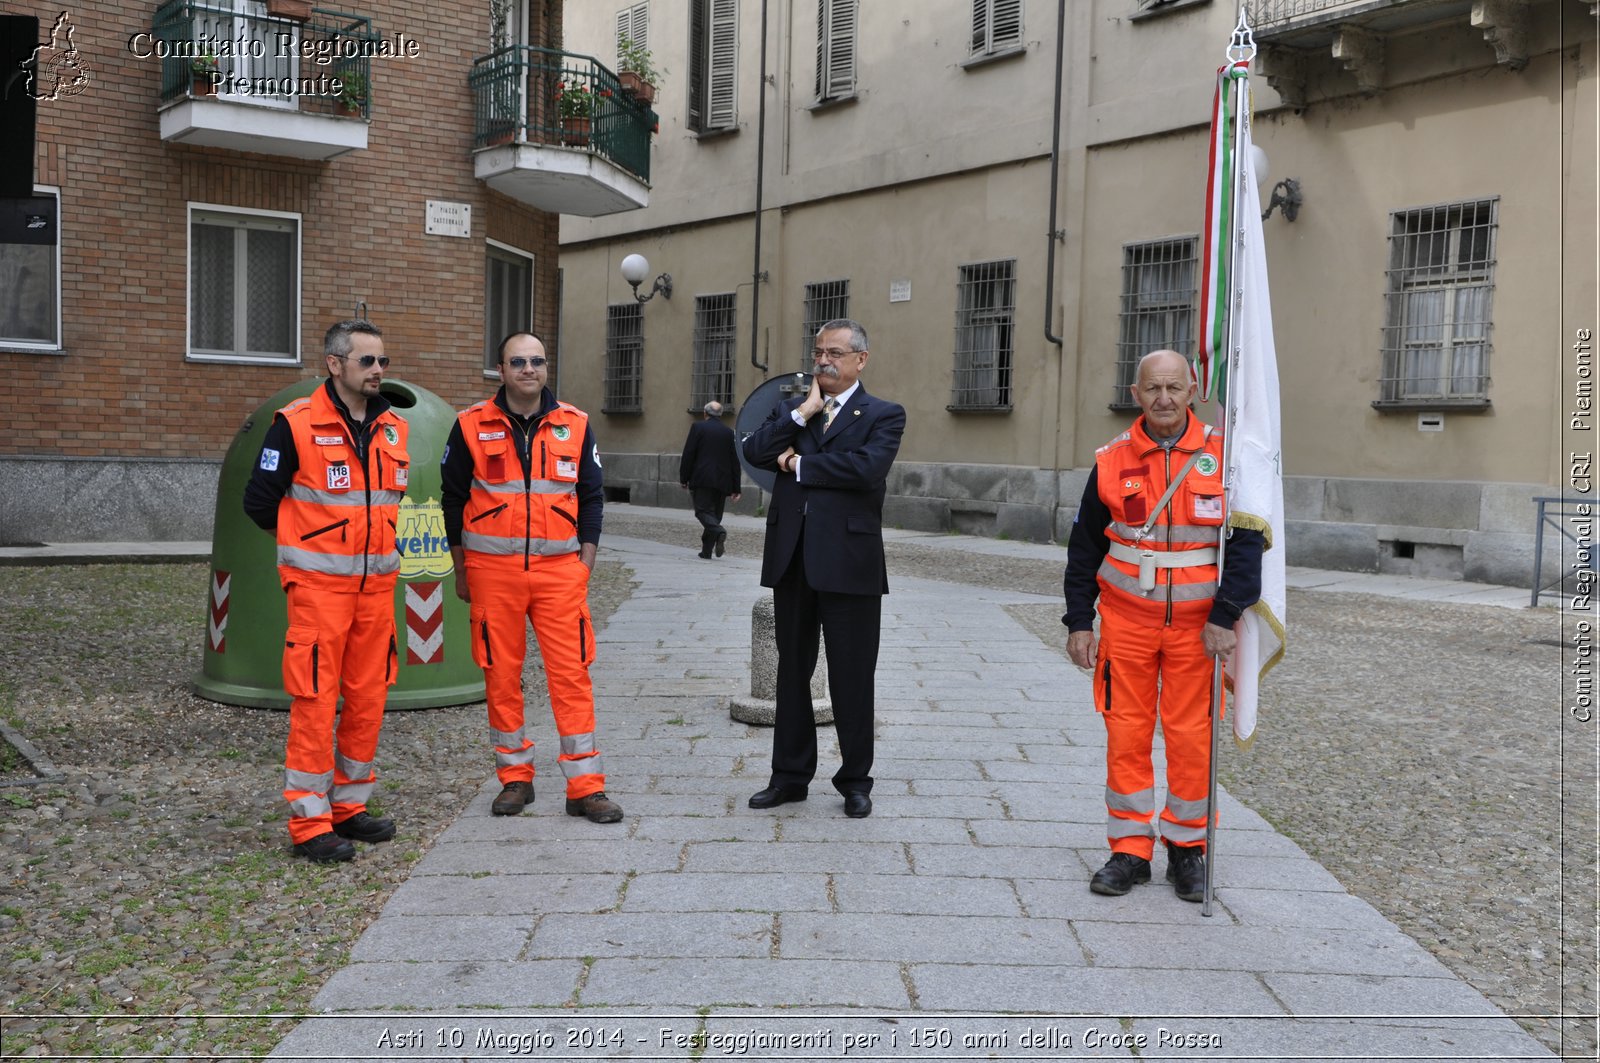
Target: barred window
x,y
825,301
1437,307
986,310
996,26
624,377
713,351
1158,307
244,285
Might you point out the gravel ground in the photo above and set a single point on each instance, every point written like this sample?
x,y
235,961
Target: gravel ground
x,y
1415,749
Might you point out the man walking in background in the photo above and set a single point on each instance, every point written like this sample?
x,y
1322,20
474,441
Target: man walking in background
x,y
710,471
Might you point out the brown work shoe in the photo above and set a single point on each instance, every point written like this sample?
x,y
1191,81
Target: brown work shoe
x,y
597,808
513,799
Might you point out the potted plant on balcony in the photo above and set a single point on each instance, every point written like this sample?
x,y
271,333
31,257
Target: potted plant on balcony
x,y
636,70
353,97
203,75
298,10
575,103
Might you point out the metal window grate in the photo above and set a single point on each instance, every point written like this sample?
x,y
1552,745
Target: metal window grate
x,y
1437,305
1158,307
986,305
825,301
712,373
624,376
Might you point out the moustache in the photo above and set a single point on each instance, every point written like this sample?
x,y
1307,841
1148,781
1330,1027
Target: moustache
x,y
828,371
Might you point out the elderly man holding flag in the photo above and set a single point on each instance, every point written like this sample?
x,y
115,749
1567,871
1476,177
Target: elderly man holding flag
x,y
1175,537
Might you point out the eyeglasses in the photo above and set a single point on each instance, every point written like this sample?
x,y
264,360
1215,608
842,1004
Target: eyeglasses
x,y
832,354
524,363
366,361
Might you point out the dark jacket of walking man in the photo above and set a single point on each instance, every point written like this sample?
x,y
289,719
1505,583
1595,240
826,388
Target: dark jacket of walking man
x,y
832,451
710,471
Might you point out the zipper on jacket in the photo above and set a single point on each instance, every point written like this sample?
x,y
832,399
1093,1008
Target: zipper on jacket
x,y
483,633
486,514
527,500
564,514
583,644
1105,680
1166,460
316,684
326,529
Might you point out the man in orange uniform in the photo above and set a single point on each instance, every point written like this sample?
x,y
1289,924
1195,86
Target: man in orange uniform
x,y
1150,556
329,480
522,498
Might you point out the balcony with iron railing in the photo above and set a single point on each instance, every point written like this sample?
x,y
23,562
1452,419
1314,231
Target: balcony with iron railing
x,y
556,130
1271,18
263,83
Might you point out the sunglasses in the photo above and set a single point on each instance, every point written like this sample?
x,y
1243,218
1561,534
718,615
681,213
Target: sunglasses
x,y
366,361
524,363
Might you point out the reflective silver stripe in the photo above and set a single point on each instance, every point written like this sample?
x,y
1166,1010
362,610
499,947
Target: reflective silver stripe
x,y
517,759
1178,808
1143,802
353,499
338,564
577,745
316,783
506,546
354,793
1128,828
1177,533
1177,832
1166,558
575,769
1180,592
509,739
353,769
310,807
538,487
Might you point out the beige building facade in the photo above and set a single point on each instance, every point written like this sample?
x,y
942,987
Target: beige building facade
x,y
898,163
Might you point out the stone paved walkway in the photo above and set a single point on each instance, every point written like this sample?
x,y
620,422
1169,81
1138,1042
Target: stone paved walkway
x,y
953,923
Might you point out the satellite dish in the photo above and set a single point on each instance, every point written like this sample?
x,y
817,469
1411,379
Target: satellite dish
x,y
755,410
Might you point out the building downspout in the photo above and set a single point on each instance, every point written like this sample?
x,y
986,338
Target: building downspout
x,y
756,273
1053,236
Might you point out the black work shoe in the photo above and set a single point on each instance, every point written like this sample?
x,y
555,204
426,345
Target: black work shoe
x,y
596,808
513,799
773,796
362,827
326,848
1186,870
722,542
1121,873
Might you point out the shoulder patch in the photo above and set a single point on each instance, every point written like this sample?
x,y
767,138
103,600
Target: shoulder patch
x,y
270,459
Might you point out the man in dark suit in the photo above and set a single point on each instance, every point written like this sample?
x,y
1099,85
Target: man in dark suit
x,y
710,471
824,561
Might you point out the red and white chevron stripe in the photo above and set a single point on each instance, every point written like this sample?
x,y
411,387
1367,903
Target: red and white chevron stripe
x,y
217,626
424,623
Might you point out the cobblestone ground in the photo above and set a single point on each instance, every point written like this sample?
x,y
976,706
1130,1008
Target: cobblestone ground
x,y
1415,749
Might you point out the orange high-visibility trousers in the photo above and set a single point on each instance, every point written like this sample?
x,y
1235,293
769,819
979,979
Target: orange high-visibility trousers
x,y
1139,670
338,644
552,593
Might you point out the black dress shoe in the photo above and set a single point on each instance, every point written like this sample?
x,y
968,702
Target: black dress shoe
x,y
857,806
1186,870
363,827
1121,873
722,542
773,796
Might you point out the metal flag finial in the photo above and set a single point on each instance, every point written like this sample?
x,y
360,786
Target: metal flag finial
x,y
1242,45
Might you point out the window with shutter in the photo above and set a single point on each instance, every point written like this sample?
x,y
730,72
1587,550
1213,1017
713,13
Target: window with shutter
x,y
713,70
836,49
996,26
633,23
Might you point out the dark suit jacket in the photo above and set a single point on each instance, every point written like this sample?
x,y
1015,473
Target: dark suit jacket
x,y
709,457
839,498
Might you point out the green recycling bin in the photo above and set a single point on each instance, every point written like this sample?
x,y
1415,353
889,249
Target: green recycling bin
x,y
247,615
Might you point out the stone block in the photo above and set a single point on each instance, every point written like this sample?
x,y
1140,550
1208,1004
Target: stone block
x,y
916,479
1069,486
1032,487
631,468
1510,507
1029,523
1507,559
104,500
1303,497
1324,544
1448,504
916,514
986,482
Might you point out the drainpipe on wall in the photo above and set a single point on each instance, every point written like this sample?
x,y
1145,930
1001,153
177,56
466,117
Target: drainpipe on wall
x,y
756,273
1055,178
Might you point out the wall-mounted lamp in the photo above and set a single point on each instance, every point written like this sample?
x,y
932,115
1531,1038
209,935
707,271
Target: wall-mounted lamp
x,y
1285,194
635,268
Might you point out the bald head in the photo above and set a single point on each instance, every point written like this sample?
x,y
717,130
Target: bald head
x,y
713,409
1162,359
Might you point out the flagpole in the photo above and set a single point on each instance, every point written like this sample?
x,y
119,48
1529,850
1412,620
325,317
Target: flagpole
x,y
1241,48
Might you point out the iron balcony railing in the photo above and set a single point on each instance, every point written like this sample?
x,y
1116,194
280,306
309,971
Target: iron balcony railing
x,y
524,94
1265,13
323,66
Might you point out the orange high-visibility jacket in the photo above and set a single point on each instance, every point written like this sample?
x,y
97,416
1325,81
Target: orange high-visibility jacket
x,y
336,523
509,519
1133,472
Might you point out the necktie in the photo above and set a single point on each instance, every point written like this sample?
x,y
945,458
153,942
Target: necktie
x,y
830,406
